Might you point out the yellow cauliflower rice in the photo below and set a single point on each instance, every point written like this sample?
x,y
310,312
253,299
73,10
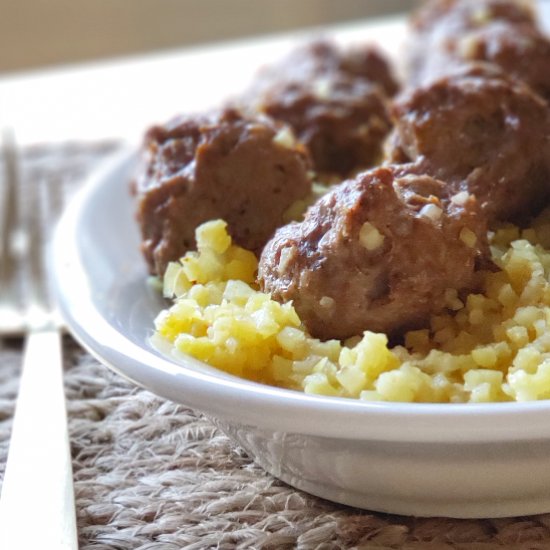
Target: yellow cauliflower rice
x,y
492,346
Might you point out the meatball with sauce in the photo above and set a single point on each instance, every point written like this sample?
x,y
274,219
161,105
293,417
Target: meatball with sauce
x,y
246,170
481,132
321,57
380,252
522,53
450,17
334,100
342,121
439,26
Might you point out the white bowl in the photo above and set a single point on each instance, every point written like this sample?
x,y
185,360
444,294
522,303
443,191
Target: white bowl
x,y
478,460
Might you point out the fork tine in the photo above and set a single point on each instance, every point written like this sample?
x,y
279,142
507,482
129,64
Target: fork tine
x,y
40,207
51,202
10,202
10,286
10,178
34,219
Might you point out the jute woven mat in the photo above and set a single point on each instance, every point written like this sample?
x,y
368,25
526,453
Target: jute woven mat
x,y
150,474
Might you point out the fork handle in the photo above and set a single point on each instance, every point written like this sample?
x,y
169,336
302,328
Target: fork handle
x,y
37,507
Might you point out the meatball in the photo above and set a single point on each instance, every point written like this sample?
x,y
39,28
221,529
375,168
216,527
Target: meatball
x,y
454,16
439,27
334,101
246,170
523,53
321,57
479,131
380,252
342,121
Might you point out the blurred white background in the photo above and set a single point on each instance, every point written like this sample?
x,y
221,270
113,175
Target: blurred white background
x,y
42,33
95,69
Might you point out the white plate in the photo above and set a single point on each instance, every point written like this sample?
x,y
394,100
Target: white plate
x,y
477,460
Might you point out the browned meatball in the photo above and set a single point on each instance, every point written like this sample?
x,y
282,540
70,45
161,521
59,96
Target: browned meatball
x,y
321,57
335,101
439,27
522,52
455,16
342,121
480,131
245,170
378,253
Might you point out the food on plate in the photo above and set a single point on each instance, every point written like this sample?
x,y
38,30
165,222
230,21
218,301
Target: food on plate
x,y
423,279
452,17
492,345
448,33
380,252
324,57
503,47
247,169
482,132
335,100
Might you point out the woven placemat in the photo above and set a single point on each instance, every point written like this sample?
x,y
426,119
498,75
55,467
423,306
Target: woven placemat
x,y
150,474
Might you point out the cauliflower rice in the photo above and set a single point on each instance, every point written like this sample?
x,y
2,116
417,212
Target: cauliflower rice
x,y
492,346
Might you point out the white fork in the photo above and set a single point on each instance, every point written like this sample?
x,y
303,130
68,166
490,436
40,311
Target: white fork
x,y
37,507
